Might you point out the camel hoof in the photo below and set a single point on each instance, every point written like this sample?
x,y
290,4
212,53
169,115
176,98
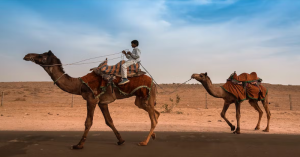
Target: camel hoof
x,y
142,144
77,147
233,128
266,130
153,136
236,132
120,142
257,128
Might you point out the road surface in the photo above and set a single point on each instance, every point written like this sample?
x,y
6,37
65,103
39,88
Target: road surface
x,y
167,144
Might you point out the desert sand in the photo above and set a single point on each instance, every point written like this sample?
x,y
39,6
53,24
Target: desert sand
x,y
42,106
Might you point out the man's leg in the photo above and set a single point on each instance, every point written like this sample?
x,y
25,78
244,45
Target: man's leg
x,y
124,72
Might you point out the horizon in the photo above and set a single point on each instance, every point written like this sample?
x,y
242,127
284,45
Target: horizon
x,y
177,38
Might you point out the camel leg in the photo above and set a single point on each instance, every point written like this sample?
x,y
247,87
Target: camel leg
x,y
109,122
266,106
254,104
88,124
153,114
223,115
238,117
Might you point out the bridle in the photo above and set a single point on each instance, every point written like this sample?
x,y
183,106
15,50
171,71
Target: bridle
x,y
44,61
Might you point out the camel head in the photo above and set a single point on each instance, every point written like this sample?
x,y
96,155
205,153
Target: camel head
x,y
40,59
45,60
200,77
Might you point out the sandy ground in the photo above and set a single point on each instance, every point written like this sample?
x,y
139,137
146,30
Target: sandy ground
x,y
41,106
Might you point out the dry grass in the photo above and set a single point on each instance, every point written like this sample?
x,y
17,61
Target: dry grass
x,y
167,108
7,93
20,99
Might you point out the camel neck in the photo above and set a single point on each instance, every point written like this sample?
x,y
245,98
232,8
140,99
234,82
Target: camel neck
x,y
213,91
64,81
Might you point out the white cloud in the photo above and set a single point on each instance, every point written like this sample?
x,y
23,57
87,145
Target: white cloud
x,y
170,52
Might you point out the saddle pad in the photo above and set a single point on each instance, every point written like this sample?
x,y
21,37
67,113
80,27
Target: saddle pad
x,y
116,69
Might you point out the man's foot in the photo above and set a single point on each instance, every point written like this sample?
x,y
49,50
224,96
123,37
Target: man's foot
x,y
124,81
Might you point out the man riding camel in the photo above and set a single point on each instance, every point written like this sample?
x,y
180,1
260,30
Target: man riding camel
x,y
133,58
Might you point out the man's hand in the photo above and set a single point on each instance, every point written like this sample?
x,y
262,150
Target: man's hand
x,y
129,53
124,52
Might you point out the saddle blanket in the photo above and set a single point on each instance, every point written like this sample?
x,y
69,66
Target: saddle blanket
x,y
246,89
139,86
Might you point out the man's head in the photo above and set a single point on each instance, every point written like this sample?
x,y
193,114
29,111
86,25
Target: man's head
x,y
134,43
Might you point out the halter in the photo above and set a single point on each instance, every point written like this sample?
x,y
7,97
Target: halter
x,y
31,59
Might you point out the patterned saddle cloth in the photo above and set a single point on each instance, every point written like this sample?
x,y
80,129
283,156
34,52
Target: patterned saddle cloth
x,y
132,71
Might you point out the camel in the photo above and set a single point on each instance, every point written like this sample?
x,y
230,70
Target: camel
x,y
229,98
52,65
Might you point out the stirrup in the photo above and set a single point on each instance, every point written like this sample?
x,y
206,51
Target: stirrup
x,y
124,81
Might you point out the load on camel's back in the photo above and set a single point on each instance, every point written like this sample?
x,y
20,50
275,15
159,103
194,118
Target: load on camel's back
x,y
245,85
101,89
235,90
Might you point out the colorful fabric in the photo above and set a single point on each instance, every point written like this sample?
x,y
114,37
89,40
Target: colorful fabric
x,y
245,77
139,86
248,88
116,69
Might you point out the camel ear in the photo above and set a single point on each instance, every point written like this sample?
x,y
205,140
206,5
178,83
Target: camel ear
x,y
205,74
50,53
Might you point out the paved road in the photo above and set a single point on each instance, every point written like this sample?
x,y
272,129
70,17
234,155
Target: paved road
x,y
167,144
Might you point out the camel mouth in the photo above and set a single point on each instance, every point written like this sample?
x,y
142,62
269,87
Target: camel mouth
x,y
26,58
194,76
29,57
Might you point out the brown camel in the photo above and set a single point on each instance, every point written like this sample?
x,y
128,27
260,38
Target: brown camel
x,y
229,98
52,65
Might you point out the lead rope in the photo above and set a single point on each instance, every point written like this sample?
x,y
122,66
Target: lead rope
x,y
159,85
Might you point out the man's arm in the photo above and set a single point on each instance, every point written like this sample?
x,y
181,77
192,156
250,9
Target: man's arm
x,y
127,55
135,54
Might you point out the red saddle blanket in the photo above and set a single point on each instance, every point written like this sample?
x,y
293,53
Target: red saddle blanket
x,y
139,86
247,89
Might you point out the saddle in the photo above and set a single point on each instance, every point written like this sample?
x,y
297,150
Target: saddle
x,y
110,72
245,85
245,78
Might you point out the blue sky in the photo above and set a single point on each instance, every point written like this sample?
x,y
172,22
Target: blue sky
x,y
177,37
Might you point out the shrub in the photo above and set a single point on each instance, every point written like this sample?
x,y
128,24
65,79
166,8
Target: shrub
x,y
167,108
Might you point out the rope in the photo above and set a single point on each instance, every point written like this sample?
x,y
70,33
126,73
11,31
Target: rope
x,y
95,57
77,63
160,86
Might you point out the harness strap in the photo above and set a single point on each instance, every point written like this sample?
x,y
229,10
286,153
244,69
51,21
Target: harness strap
x,y
59,78
104,88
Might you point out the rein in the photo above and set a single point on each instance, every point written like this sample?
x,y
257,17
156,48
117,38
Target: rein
x,y
31,59
160,86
